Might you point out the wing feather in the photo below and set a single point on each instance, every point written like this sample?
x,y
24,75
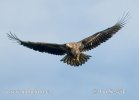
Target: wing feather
x,y
100,37
55,49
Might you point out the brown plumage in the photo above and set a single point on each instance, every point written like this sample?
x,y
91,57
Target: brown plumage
x,y
73,50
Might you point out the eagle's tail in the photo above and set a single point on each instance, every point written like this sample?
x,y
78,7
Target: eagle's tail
x,y
70,60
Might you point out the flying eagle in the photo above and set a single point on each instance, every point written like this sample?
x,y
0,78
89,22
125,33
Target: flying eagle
x,y
73,51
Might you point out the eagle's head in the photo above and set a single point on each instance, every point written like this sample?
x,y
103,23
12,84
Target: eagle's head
x,y
69,45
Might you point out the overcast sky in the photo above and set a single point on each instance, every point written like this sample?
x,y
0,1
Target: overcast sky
x,y
113,65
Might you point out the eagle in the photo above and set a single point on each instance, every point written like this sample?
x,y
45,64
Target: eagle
x,y
73,51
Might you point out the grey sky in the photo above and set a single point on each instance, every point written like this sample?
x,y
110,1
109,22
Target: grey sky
x,y
114,64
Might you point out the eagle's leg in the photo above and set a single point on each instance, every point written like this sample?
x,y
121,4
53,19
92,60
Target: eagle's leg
x,y
78,57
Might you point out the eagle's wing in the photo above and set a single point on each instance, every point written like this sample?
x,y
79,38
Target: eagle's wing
x,y
100,37
55,49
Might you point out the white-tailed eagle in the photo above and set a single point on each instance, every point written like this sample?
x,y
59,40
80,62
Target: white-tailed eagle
x,y
73,51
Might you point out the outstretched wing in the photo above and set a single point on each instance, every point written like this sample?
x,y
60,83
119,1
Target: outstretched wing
x,y
100,37
55,49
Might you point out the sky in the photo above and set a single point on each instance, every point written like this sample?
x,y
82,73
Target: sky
x,y
112,67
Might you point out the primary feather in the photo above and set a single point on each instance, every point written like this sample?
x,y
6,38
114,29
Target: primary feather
x,y
56,49
102,36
